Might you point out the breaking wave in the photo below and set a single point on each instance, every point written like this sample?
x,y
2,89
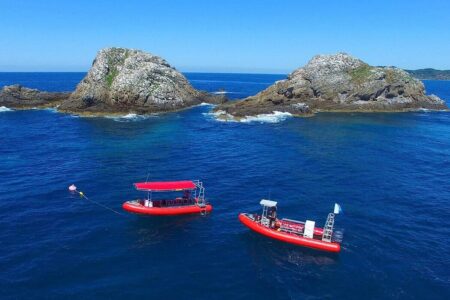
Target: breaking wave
x,y
4,108
131,117
275,117
225,93
51,109
430,110
220,116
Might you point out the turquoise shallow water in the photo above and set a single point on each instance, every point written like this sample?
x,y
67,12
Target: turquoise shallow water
x,y
390,172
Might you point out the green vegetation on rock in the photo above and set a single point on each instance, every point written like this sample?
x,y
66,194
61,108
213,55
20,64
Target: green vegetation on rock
x,y
110,76
116,57
390,75
361,73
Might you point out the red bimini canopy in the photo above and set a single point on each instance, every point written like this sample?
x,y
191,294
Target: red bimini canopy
x,y
165,186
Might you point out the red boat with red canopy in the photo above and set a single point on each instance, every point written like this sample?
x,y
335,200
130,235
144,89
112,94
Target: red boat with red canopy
x,y
192,200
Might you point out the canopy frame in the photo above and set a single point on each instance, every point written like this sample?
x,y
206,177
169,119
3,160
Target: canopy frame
x,y
193,186
165,186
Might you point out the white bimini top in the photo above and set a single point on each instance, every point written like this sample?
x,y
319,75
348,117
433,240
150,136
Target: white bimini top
x,y
268,203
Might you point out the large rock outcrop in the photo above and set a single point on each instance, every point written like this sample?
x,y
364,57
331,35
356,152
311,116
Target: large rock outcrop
x,y
17,96
126,80
338,82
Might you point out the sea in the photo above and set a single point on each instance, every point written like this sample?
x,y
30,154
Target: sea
x,y
390,172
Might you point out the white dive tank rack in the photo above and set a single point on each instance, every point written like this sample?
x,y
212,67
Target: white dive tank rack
x,y
328,228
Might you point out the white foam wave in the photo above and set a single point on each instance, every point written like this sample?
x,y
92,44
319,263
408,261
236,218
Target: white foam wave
x,y
225,93
205,104
275,117
51,109
220,116
4,108
422,109
129,117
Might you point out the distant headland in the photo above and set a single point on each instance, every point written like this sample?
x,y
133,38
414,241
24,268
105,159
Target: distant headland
x,y
132,81
430,74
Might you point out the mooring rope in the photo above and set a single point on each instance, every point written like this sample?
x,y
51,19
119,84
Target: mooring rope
x,y
73,188
99,204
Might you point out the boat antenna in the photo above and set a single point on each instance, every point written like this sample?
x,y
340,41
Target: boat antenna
x,y
146,180
270,191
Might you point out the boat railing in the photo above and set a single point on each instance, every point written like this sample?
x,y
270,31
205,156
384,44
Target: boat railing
x,y
251,216
292,226
328,228
288,229
201,193
291,230
293,221
172,202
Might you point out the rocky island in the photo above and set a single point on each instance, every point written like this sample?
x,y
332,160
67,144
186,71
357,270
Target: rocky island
x,y
125,80
19,97
119,81
337,82
132,81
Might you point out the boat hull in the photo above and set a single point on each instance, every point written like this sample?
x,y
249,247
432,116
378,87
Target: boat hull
x,y
289,237
165,211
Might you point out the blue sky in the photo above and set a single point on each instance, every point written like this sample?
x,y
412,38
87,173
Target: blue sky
x,y
224,35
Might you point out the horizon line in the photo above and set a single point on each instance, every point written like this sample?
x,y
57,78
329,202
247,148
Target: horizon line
x,y
184,72
224,72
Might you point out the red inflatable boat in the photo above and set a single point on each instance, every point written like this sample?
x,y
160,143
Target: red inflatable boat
x,y
192,200
291,231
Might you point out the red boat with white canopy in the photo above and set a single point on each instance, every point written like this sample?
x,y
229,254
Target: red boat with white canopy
x,y
191,201
292,231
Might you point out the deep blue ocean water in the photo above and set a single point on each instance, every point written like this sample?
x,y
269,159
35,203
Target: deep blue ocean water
x,y
390,172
